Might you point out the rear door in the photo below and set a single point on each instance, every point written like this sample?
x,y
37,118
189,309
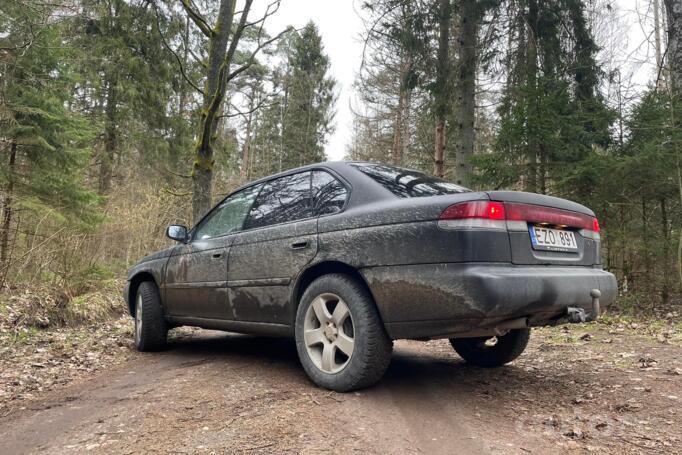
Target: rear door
x,y
279,239
196,275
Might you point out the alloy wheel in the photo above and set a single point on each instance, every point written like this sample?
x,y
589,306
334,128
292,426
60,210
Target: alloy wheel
x,y
329,333
138,318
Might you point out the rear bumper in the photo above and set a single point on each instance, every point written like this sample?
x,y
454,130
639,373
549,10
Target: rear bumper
x,y
436,300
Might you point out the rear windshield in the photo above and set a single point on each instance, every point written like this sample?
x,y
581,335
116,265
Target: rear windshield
x,y
408,183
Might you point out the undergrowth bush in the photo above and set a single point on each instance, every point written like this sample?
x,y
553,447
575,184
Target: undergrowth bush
x,y
43,307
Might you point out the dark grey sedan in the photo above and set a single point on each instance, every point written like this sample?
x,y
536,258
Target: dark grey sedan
x,y
347,256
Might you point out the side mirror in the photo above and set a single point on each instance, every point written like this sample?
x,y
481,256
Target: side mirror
x,y
177,233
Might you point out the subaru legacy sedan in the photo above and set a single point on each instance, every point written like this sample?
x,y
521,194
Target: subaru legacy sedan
x,y
346,257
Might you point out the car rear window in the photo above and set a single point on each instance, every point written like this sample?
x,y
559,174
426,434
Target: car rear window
x,y
408,183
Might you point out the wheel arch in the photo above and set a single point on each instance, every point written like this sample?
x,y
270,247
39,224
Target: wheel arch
x,y
135,282
315,271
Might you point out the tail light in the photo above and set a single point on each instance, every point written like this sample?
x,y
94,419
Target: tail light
x,y
474,214
595,225
514,217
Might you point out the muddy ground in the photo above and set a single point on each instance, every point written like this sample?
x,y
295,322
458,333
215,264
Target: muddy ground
x,y
612,387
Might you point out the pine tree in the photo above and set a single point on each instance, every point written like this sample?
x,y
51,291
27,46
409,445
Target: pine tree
x,y
309,100
44,145
552,116
126,77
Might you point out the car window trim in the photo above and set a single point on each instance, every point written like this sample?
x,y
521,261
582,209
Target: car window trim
x,y
192,231
329,171
310,191
262,183
345,184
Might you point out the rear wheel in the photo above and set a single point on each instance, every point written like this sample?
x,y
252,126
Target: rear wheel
x,y
151,330
492,351
340,338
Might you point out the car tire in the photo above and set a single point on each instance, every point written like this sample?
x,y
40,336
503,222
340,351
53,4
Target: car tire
x,y
151,330
322,337
477,351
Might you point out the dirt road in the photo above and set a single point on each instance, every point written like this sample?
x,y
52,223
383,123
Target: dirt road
x,y
225,393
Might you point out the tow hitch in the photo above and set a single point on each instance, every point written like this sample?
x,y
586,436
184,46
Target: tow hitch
x,y
578,315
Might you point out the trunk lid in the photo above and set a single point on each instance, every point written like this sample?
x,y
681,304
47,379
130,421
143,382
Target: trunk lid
x,y
534,219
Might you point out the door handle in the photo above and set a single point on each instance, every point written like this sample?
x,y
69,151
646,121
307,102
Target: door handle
x,y
299,245
217,255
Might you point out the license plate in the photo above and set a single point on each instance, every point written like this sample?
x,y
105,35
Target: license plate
x,y
547,239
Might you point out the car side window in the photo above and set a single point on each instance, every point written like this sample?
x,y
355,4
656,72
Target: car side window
x,y
281,200
229,216
329,195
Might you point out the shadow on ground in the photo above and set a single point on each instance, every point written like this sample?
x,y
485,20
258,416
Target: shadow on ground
x,y
416,366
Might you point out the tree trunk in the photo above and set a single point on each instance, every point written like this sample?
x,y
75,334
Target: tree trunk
x,y
110,138
406,137
7,210
441,94
214,93
398,128
532,74
673,9
247,144
679,241
467,90
657,34
177,143
674,54
645,238
665,289
439,167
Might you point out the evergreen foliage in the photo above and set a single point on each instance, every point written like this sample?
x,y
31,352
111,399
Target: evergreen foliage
x,y
118,117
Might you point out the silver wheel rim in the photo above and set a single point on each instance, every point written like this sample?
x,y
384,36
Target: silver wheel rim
x,y
138,318
329,333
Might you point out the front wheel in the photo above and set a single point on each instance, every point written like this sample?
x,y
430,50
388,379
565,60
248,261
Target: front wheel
x,y
340,338
151,330
492,351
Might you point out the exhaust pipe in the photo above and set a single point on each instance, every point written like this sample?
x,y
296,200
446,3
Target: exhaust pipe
x,y
578,315
499,329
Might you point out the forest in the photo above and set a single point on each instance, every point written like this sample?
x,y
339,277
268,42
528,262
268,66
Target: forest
x,y
120,117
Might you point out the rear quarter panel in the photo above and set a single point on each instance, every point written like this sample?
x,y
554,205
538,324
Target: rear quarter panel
x,y
405,231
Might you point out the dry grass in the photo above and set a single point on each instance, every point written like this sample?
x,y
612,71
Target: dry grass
x,y
43,307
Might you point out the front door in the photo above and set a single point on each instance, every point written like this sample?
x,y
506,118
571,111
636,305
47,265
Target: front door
x,y
280,238
196,274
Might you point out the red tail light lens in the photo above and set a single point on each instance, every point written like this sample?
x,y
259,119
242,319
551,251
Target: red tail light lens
x,y
487,210
524,213
548,215
595,225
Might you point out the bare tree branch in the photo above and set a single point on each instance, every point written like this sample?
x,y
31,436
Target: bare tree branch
x,y
238,113
252,58
268,12
177,57
197,19
237,35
